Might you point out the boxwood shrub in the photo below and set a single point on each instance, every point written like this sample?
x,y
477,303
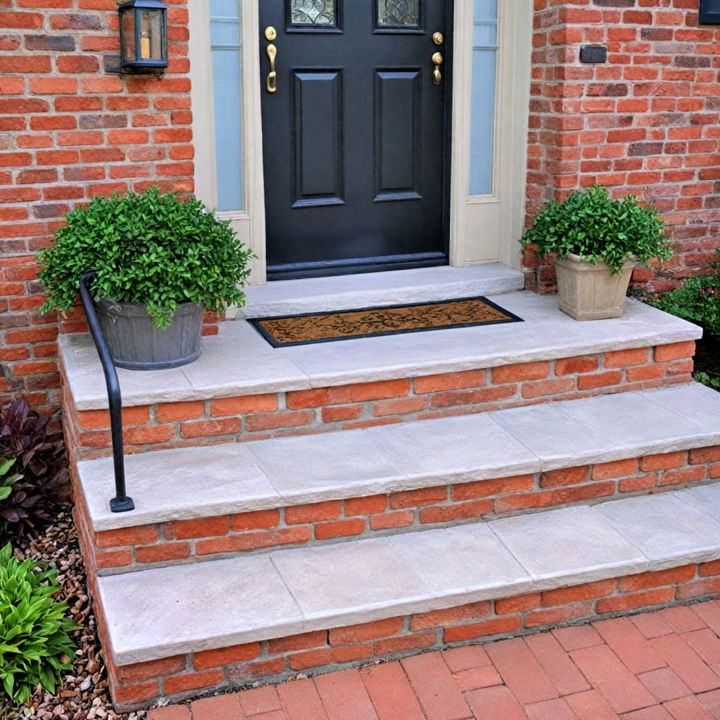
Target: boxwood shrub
x,y
151,248
591,224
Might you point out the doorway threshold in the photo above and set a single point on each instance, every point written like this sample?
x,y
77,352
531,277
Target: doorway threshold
x,y
394,287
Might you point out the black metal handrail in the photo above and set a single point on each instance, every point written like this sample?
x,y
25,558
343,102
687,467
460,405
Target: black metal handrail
x,y
121,502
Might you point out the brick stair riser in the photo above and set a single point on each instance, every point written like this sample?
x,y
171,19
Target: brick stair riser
x,y
257,417
137,548
183,676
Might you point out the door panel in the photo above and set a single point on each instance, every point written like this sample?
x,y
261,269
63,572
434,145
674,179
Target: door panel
x,y
397,134
317,138
355,137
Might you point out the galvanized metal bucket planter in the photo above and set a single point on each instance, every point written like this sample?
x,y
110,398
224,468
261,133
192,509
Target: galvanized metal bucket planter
x,y
590,292
137,344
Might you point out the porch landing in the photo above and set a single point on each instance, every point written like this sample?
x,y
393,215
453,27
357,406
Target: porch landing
x,y
240,362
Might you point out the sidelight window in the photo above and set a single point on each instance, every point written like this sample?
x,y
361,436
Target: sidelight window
x,y
484,85
226,46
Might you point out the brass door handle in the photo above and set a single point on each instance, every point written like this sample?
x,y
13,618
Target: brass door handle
x,y
271,83
437,61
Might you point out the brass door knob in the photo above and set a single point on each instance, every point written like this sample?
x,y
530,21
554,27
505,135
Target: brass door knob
x,y
437,61
271,83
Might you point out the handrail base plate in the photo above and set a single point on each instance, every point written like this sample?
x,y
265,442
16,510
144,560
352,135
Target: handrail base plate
x,y
124,505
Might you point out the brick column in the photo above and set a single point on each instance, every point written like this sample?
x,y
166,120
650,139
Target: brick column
x,y
645,122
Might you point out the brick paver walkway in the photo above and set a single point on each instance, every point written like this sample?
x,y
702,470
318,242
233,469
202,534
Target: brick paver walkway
x,y
662,665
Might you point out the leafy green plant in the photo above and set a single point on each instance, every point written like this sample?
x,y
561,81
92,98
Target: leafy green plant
x,y
7,478
151,248
32,468
707,379
698,300
35,647
596,227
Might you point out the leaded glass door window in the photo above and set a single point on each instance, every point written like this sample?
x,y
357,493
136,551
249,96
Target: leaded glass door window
x,y
398,13
312,12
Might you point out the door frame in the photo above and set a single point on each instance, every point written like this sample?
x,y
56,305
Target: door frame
x,y
482,228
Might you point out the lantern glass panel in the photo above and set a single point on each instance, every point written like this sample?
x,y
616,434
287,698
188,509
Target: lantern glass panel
x,y
151,35
128,29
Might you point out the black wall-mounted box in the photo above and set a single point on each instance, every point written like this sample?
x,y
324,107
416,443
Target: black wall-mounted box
x,y
709,12
593,54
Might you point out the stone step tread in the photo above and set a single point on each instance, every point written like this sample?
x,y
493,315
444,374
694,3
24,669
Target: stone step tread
x,y
239,361
181,484
163,612
396,287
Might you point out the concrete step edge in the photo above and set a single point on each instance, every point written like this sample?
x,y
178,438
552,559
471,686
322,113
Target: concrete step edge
x,y
160,613
189,483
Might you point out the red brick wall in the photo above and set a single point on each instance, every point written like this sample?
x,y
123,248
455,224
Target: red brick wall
x,y
72,128
645,122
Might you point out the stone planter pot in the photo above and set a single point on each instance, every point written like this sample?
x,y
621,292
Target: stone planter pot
x,y
590,292
136,344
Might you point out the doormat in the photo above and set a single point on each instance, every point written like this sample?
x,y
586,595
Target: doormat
x,y
290,330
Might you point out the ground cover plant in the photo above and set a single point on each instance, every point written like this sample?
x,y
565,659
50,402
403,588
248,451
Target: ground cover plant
x,y
698,300
83,690
35,646
51,662
32,469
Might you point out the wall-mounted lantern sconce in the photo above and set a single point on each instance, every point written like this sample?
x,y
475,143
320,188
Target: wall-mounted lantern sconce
x,y
709,12
143,36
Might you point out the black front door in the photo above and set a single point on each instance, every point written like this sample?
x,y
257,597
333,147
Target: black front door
x,y
355,134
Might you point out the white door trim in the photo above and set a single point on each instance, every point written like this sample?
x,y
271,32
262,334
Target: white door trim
x,y
482,228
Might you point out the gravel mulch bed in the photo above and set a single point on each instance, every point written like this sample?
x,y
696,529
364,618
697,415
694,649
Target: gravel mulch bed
x,y
84,695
